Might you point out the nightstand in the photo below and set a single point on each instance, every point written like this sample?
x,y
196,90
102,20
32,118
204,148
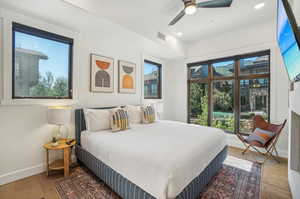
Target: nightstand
x,y
63,164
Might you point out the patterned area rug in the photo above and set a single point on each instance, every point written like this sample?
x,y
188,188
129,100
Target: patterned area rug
x,y
237,179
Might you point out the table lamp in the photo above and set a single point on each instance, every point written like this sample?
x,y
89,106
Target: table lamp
x,y
60,116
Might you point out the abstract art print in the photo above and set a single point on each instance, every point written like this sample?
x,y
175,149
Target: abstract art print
x,y
102,74
127,77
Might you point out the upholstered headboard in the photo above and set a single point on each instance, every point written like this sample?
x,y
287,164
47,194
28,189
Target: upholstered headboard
x,y
80,122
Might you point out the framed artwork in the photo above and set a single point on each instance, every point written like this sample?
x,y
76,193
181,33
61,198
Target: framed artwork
x,y
102,74
127,77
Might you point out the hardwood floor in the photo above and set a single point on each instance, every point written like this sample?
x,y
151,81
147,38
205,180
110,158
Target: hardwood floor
x,y
274,182
274,176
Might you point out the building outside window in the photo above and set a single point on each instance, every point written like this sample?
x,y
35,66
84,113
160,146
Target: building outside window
x,y
152,80
42,64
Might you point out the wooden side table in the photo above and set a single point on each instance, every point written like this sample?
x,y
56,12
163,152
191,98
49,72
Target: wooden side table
x,y
60,164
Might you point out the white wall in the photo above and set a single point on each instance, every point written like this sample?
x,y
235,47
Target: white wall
x,y
23,127
245,40
294,176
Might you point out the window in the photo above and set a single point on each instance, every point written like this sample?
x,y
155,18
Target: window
x,y
152,80
227,93
42,64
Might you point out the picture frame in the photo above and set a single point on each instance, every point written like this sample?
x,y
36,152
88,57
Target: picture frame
x,y
127,77
102,74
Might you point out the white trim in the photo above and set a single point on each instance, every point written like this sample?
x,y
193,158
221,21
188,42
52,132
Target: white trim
x,y
27,172
1,56
8,18
159,61
22,173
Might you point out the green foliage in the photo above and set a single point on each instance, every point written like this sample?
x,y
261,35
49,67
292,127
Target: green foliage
x,y
197,91
223,99
199,103
223,103
50,87
225,124
202,118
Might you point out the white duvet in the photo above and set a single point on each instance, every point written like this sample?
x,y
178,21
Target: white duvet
x,y
161,158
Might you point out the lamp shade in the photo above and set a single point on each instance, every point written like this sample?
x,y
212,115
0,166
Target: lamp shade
x,y
59,115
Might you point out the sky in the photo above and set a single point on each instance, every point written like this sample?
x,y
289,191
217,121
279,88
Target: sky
x,y
149,68
58,53
288,44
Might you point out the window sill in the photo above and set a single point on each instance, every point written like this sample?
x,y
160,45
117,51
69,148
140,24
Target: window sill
x,y
158,98
38,102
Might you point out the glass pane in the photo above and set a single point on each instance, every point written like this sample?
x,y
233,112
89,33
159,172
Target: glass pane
x,y
223,69
198,102
197,72
254,101
41,67
223,106
151,80
255,65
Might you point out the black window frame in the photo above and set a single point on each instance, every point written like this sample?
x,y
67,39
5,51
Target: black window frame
x,y
236,80
159,85
17,27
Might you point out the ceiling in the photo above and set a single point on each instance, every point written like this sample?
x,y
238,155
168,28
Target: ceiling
x,y
147,17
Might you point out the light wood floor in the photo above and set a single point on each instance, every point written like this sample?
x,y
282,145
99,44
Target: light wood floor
x,y
274,182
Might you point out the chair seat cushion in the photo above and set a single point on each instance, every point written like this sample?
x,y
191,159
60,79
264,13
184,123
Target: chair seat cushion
x,y
261,136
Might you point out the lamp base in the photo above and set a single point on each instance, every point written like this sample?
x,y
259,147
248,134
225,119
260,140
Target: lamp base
x,y
60,132
54,144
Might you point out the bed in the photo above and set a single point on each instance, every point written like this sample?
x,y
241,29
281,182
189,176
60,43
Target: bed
x,y
162,160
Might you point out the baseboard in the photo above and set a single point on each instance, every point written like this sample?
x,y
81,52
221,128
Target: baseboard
x,y
34,170
27,172
22,173
232,140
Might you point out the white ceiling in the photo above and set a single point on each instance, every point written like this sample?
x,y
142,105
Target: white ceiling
x,y
147,17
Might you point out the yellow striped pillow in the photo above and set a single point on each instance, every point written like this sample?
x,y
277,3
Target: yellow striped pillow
x,y
148,114
119,119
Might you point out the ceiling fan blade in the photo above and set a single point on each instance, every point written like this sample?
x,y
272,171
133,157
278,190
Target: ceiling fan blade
x,y
177,18
215,4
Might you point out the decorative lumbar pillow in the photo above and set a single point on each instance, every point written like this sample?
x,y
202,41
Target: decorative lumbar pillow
x,y
97,119
261,136
148,114
119,119
135,114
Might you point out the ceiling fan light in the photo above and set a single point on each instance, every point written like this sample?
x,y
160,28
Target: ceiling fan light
x,y
190,9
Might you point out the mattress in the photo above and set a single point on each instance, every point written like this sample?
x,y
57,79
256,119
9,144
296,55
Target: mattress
x,y
162,158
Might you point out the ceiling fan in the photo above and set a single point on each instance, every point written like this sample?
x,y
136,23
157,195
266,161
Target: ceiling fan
x,y
191,6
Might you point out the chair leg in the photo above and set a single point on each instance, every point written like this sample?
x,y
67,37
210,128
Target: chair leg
x,y
271,154
276,151
247,148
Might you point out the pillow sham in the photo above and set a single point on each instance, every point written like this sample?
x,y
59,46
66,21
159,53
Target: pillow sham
x,y
261,136
134,113
148,114
119,119
97,119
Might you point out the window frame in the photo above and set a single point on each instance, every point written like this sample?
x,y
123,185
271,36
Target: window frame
x,y
17,27
236,78
159,85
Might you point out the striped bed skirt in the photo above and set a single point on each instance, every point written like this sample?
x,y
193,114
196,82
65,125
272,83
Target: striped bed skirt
x,y
128,190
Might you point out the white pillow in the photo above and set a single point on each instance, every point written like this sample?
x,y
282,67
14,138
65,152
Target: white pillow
x,y
97,119
134,113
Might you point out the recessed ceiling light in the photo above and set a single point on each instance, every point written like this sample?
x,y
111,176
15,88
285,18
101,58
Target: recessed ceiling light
x,y
259,6
179,34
